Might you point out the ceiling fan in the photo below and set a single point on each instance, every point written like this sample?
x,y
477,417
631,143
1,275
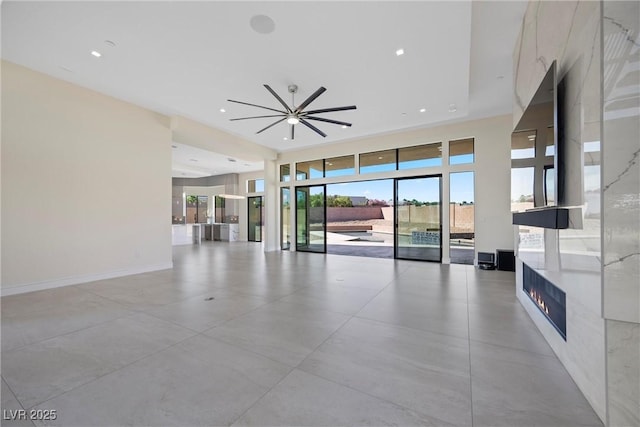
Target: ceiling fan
x,y
294,115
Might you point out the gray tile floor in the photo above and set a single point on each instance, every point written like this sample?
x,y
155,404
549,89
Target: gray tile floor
x,y
288,339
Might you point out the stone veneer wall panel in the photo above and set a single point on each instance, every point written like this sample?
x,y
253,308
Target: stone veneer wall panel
x,y
569,33
621,209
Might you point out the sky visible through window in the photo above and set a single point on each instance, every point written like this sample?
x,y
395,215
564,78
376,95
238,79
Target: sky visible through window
x,y
521,182
461,187
461,159
421,189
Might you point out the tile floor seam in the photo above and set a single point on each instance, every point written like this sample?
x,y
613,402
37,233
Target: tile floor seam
x,y
245,314
108,373
208,328
263,395
409,327
217,339
552,355
173,323
13,393
237,347
339,327
469,344
277,300
341,312
110,300
133,313
138,310
368,394
373,297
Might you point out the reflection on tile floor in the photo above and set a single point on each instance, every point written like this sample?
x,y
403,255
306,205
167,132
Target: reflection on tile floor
x,y
235,336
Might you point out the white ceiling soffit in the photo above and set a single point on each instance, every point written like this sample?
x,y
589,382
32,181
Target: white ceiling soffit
x,y
192,162
187,58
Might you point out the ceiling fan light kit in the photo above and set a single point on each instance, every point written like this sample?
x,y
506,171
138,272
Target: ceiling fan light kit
x,y
296,115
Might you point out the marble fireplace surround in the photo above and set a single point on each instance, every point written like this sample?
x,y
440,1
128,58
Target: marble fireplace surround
x,y
596,263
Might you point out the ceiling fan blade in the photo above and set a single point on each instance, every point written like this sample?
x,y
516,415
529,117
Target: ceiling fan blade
x,y
310,99
258,117
292,129
273,92
328,110
313,128
272,124
321,119
255,105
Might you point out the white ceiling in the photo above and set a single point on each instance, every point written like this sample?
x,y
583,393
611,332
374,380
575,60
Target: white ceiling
x,y
192,162
188,58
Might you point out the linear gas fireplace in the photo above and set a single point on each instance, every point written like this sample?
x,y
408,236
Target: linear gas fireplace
x,y
549,299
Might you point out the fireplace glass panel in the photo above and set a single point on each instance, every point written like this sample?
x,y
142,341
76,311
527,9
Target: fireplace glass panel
x,y
549,299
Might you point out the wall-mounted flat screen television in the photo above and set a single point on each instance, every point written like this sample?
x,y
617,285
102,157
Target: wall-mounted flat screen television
x,y
534,148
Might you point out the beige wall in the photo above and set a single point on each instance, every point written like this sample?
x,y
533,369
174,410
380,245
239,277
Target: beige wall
x,y
86,184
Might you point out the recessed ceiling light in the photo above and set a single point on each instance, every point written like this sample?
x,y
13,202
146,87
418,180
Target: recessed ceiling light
x,y
344,126
379,157
109,43
422,110
531,137
285,138
96,53
174,146
399,52
222,110
330,164
193,160
453,108
68,70
403,114
500,77
231,160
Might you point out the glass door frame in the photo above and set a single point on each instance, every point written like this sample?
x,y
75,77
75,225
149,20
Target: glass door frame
x,y
396,216
285,244
249,223
324,220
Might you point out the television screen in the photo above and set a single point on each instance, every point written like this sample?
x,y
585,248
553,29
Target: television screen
x,y
534,149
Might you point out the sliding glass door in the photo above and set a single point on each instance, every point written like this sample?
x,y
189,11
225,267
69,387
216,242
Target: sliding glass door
x,y
418,218
255,218
310,219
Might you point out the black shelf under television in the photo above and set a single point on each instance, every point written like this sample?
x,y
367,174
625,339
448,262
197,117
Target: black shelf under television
x,y
551,217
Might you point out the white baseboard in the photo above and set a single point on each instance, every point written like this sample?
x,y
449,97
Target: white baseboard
x,y
75,280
